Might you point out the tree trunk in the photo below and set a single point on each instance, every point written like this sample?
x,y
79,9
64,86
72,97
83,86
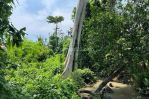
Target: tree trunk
x,y
108,79
72,53
104,82
56,32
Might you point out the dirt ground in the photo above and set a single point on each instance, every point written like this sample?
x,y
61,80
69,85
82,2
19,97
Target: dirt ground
x,y
122,91
119,91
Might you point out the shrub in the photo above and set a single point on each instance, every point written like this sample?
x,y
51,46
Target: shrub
x,y
82,77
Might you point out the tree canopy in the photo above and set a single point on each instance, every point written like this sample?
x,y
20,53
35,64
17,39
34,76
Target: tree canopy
x,y
55,19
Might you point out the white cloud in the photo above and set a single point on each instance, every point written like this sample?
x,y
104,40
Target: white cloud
x,y
48,3
36,22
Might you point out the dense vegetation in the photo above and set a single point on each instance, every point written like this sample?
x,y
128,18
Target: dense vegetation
x,y
33,71
10,36
114,34
30,69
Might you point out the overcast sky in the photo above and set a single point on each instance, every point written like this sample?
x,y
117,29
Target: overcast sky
x,y
32,15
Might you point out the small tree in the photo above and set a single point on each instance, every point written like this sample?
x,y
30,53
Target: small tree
x,y
55,20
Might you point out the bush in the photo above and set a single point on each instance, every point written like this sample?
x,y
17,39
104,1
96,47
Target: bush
x,y
82,77
47,88
57,88
29,52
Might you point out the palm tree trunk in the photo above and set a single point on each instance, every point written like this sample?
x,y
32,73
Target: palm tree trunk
x,y
72,53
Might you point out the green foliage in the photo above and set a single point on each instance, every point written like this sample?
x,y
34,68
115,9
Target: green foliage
x,y
29,52
5,12
115,33
8,33
56,88
5,90
83,77
65,42
55,19
53,43
100,48
33,72
142,82
3,58
14,37
111,38
41,87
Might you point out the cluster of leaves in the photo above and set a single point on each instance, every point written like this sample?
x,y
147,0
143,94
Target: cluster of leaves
x,y
115,37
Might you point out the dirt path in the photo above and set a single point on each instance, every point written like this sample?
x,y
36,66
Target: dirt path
x,y
117,91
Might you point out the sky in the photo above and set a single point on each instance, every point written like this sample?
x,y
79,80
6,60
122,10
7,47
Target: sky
x,y
32,14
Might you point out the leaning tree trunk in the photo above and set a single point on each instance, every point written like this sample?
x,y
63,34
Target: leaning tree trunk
x,y
74,45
